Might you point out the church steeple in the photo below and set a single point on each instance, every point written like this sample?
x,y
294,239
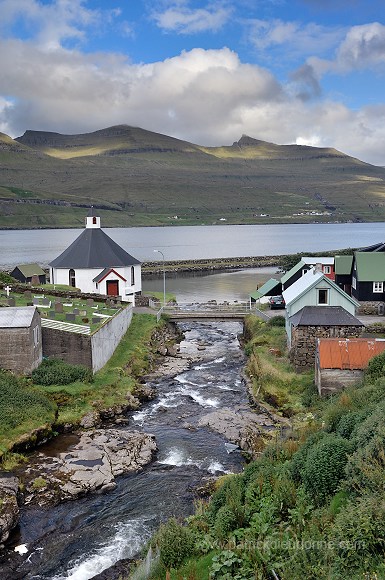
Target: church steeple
x,y
92,220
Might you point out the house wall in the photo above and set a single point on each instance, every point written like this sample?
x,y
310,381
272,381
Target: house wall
x,y
330,381
310,298
91,351
303,342
21,348
84,280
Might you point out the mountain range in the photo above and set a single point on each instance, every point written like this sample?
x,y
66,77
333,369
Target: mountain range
x,y
136,177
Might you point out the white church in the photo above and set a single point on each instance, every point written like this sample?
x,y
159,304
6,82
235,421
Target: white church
x,y
96,264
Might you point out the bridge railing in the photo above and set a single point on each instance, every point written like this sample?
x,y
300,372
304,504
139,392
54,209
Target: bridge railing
x,y
240,307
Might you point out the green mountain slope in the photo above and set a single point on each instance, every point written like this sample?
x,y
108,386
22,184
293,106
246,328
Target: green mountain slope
x,y
137,177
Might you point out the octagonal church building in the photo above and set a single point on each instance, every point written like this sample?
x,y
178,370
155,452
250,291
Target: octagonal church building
x,y
95,264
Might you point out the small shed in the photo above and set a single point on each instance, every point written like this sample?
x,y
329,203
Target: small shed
x,y
341,362
314,322
29,274
20,339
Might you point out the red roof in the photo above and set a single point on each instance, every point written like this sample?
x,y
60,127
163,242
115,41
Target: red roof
x,y
349,353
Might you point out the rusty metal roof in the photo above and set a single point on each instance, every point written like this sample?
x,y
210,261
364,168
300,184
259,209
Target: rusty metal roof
x,y
348,353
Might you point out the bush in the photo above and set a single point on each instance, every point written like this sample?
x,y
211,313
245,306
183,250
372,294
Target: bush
x,y
358,536
324,467
225,522
348,423
376,367
276,321
6,278
57,372
176,543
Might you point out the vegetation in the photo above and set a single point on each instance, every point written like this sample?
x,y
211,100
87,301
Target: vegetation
x,y
6,278
312,505
146,174
26,406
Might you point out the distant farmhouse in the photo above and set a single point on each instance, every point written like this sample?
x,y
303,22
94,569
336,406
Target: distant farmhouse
x,y
29,274
20,339
96,264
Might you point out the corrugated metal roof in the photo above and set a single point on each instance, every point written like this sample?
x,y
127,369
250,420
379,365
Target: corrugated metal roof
x,y
343,265
324,316
370,266
16,317
266,288
94,249
349,353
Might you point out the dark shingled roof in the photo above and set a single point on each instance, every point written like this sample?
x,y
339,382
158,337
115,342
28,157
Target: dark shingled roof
x,y
94,249
324,316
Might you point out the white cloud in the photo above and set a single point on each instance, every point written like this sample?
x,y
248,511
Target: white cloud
x,y
363,47
52,24
184,20
296,37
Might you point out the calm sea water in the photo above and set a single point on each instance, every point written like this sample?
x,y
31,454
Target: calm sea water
x,y
195,242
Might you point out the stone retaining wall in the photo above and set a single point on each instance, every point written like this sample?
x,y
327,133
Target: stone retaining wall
x,y
302,352
370,307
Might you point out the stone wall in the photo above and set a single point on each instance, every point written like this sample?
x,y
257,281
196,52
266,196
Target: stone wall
x,y
303,341
370,307
92,351
18,351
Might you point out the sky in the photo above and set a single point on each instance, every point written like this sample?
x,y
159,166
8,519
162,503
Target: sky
x,y
310,72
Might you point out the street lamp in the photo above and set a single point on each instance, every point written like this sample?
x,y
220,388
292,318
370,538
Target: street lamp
x,y
164,278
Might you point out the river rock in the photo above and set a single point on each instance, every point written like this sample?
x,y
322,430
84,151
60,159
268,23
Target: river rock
x,y
91,465
240,426
90,420
9,508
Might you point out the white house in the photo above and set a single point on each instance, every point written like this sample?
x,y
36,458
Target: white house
x,y
315,289
96,264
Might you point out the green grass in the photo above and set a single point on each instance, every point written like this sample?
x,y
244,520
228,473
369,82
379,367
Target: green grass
x,y
159,296
111,384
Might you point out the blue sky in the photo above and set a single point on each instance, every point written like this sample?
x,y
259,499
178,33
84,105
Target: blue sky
x,y
286,71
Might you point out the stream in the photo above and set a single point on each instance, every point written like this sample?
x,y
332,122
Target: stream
x,y
77,540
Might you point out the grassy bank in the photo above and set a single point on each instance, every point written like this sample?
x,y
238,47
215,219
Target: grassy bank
x,y
312,506
25,406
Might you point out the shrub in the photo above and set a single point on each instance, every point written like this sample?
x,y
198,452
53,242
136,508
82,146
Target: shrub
x,y
6,278
358,536
225,522
276,321
365,468
299,458
324,467
225,565
376,367
176,543
57,372
348,423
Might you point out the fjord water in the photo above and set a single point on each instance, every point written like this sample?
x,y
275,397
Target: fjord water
x,y
77,540
195,242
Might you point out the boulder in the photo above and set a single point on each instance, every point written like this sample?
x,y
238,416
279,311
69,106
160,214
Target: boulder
x,y
9,508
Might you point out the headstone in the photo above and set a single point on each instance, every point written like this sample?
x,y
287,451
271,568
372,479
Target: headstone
x,y
45,302
52,314
59,307
28,294
70,317
36,301
76,311
7,289
11,302
83,313
90,301
96,320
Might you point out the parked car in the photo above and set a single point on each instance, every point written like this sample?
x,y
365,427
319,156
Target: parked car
x,y
277,302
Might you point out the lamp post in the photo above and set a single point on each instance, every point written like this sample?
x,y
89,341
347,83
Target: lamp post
x,y
164,278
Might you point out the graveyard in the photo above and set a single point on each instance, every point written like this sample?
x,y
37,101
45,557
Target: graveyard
x,y
78,314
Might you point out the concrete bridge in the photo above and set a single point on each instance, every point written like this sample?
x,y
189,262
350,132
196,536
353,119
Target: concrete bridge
x,y
210,311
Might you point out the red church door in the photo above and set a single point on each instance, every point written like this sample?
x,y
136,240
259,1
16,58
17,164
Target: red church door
x,y
113,287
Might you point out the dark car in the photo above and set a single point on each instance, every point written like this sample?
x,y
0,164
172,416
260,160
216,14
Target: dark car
x,y
277,302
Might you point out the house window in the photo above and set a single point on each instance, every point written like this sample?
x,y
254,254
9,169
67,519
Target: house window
x,y
378,287
132,276
71,278
323,296
327,269
354,282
